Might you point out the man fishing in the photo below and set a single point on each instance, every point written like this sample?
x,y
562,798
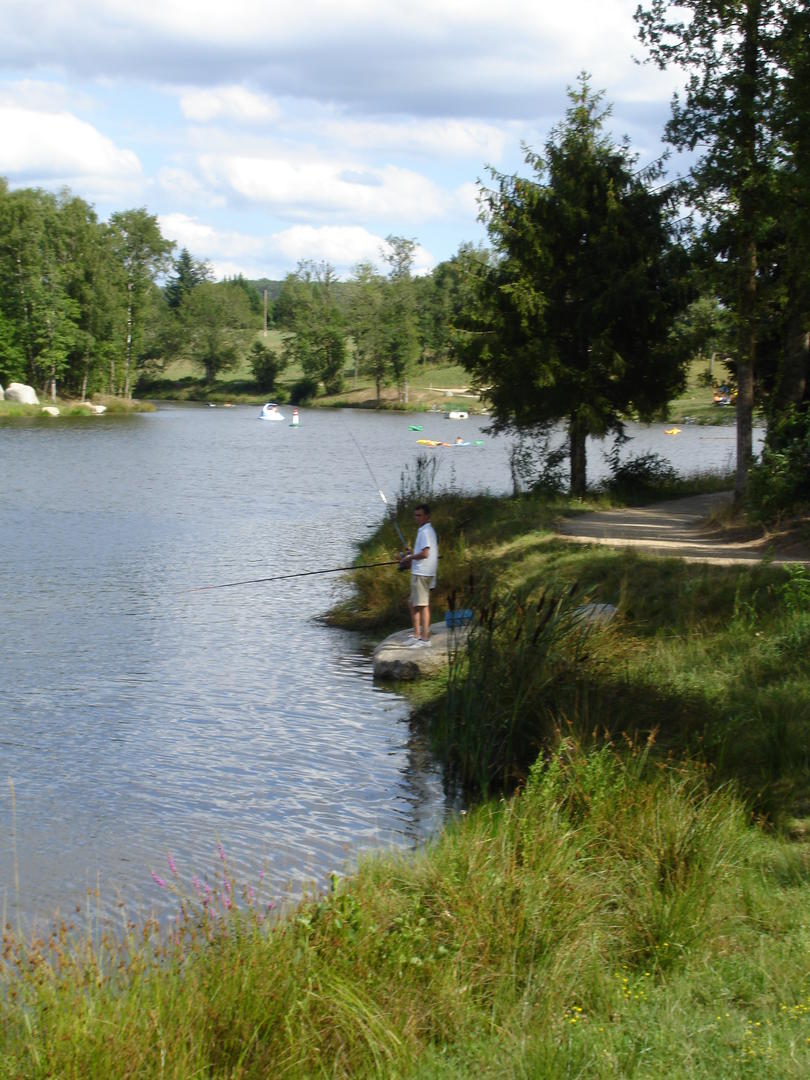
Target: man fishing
x,y
422,560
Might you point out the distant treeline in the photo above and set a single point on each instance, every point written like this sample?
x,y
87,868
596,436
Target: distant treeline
x,y
91,307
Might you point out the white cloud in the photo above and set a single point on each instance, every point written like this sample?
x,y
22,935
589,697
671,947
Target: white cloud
x,y
207,242
342,246
305,187
182,185
43,96
59,145
436,138
276,254
467,198
424,58
233,103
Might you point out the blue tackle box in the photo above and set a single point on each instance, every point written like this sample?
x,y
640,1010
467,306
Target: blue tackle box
x,y
459,617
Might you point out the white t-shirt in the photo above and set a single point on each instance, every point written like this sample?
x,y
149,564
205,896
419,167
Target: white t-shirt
x,y
426,538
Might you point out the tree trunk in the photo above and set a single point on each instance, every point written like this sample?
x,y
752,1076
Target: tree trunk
x,y
747,252
130,321
577,434
745,380
792,382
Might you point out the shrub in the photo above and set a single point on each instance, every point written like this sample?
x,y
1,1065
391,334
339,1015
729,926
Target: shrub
x,y
536,465
779,483
266,364
303,391
417,484
640,475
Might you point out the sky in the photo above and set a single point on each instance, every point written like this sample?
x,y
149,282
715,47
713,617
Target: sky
x,y
263,134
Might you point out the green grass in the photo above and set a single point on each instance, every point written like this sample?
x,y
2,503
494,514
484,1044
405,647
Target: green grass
x,y
695,404
69,409
428,385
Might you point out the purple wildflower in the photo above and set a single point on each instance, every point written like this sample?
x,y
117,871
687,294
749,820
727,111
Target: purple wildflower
x,y
172,866
158,881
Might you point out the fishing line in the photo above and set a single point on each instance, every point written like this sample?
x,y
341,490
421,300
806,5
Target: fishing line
x,y
285,577
379,490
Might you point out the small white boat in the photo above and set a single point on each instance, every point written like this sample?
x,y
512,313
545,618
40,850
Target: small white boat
x,y
271,411
455,415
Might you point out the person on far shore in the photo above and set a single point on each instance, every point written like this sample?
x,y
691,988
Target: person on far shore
x,y
423,561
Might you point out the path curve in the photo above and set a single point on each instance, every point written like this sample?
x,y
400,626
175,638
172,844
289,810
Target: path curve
x,y
678,528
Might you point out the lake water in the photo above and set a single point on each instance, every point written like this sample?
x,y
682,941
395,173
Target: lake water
x,y
139,719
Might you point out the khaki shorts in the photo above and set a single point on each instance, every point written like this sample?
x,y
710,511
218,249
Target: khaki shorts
x,y
420,590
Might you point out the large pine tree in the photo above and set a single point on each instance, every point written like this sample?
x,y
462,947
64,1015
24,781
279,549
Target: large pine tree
x,y
576,306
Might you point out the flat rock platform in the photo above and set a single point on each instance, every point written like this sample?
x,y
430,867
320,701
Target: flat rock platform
x,y
395,659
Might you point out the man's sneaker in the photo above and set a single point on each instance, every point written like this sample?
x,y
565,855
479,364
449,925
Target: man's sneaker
x,y
420,643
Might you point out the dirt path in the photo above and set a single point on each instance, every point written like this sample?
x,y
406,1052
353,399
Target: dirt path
x,y
683,528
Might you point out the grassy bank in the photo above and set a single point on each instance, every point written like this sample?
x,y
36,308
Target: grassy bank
x,y
636,908
72,410
617,918
712,660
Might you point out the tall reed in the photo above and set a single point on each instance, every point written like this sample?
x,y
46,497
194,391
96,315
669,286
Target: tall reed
x,y
508,680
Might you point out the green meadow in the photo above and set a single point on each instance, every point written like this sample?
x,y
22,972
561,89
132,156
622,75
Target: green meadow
x,y
430,386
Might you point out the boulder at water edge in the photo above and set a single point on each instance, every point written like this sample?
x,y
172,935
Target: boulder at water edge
x,y
51,410
22,394
396,658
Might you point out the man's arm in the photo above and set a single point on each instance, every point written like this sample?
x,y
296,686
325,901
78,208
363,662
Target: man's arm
x,y
411,556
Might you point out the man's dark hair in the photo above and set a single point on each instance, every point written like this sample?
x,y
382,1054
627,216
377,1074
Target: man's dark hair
x,y
424,507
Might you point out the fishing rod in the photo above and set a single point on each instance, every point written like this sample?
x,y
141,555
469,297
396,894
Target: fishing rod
x,y
286,577
380,491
